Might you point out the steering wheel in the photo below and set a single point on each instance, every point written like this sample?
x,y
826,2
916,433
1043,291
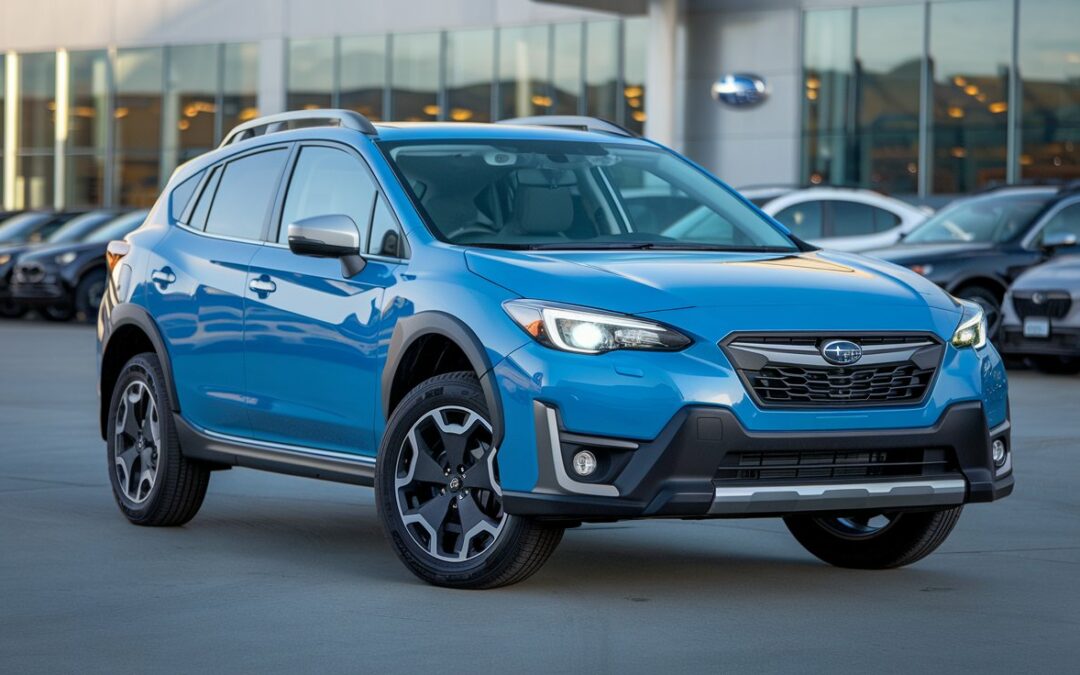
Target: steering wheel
x,y
476,228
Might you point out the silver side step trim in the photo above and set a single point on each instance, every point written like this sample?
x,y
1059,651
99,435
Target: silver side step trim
x,y
837,496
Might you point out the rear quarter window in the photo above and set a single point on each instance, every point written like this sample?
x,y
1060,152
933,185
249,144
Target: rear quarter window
x,y
181,196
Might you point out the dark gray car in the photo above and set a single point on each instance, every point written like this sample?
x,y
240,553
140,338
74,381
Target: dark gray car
x,y
1041,318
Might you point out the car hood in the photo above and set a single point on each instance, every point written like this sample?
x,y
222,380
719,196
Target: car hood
x,y
907,254
1059,274
636,282
46,254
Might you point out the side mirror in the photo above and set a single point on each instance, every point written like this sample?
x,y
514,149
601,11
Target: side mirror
x,y
329,236
1052,242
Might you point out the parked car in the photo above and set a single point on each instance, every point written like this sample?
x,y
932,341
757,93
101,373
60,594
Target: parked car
x,y
465,317
842,219
978,245
18,233
1042,316
66,280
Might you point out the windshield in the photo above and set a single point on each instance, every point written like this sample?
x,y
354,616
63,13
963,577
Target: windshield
x,y
19,228
525,194
80,226
117,229
980,220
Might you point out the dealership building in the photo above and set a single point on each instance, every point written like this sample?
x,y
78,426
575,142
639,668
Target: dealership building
x,y
102,99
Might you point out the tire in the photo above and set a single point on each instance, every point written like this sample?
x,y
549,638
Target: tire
x,y
177,485
427,507
990,303
88,295
58,313
1056,365
12,310
845,542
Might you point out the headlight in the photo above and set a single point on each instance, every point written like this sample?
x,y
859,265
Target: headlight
x,y
972,329
66,258
590,331
4,258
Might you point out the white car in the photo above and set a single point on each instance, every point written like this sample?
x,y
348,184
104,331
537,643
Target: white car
x,y
842,219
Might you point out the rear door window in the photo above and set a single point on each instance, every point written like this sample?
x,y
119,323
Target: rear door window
x,y
246,189
851,219
803,219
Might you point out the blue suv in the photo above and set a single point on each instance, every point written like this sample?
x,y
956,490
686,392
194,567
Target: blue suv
x,y
505,330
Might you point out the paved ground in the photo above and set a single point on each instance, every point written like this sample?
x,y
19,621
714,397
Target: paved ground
x,y
289,574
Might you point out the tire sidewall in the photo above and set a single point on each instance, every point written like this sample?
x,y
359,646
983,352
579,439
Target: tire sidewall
x,y
426,397
83,305
145,368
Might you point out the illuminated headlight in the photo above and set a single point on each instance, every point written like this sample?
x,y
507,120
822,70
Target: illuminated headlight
x,y
4,258
972,329
66,258
590,331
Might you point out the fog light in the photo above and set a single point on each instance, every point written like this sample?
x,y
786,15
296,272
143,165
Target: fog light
x,y
998,449
584,463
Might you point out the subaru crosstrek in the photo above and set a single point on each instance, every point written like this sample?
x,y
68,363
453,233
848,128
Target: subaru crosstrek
x,y
473,319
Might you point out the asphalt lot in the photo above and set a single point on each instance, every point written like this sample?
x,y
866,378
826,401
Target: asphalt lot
x,y
289,574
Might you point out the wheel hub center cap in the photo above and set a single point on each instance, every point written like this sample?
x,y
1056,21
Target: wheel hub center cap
x,y
455,484
141,443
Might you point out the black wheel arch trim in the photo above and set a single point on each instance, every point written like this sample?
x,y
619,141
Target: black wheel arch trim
x,y
128,314
408,330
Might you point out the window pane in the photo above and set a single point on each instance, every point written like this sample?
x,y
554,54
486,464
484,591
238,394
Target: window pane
x,y
827,80
470,71
414,76
206,198
804,220
851,219
1050,66
1067,221
37,109
566,80
3,71
34,182
243,196
240,84
634,37
888,65
386,238
970,51
137,180
524,87
85,181
88,94
601,68
191,99
363,75
327,182
181,195
139,86
311,74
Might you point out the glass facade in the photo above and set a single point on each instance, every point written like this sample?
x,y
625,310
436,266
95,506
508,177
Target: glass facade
x,y
363,75
414,77
35,138
470,75
86,148
917,98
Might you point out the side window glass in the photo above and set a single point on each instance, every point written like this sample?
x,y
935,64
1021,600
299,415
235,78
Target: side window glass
x,y
328,182
804,220
851,219
206,198
181,195
386,237
1065,221
246,188
884,220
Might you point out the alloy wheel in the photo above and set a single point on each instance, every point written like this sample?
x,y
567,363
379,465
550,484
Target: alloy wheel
x,y
859,526
446,485
137,442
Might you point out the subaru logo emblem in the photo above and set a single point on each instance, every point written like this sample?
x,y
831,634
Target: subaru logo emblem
x,y
740,90
841,352
1038,298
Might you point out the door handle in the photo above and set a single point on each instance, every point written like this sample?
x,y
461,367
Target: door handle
x,y
163,277
262,286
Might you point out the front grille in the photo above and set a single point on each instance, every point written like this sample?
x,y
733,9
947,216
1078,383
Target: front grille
x,y
790,370
29,273
825,465
1053,304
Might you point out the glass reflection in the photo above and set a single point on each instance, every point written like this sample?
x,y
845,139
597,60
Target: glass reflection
x,y
470,71
311,74
190,102
524,78
37,101
137,113
566,77
1050,68
827,81
601,68
970,50
633,94
414,77
239,83
363,75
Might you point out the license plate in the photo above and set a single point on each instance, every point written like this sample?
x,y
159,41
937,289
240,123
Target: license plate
x,y
1037,327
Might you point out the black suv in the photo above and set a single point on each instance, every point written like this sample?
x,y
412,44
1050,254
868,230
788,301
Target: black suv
x,y
977,246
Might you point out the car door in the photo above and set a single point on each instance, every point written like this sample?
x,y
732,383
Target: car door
x,y
196,292
311,333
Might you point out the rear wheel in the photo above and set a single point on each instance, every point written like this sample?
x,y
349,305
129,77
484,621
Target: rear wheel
x,y
11,310
58,312
438,493
868,540
1056,365
88,295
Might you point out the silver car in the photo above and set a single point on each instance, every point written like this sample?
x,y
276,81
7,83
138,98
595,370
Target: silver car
x,y
1042,316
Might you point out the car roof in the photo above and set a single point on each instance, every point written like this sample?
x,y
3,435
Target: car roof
x,y
401,131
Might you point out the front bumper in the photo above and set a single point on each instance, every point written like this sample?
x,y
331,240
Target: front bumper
x,y
1063,341
39,293
698,467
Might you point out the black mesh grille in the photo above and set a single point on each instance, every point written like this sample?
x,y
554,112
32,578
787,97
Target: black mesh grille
x,y
1053,305
829,465
876,384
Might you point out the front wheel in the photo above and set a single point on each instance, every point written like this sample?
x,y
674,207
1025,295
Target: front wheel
x,y
438,493
874,540
88,295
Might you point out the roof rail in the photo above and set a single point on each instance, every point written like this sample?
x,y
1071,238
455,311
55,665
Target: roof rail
x,y
580,122
296,119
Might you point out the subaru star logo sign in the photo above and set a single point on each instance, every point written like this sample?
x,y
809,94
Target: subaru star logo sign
x,y
740,90
841,352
